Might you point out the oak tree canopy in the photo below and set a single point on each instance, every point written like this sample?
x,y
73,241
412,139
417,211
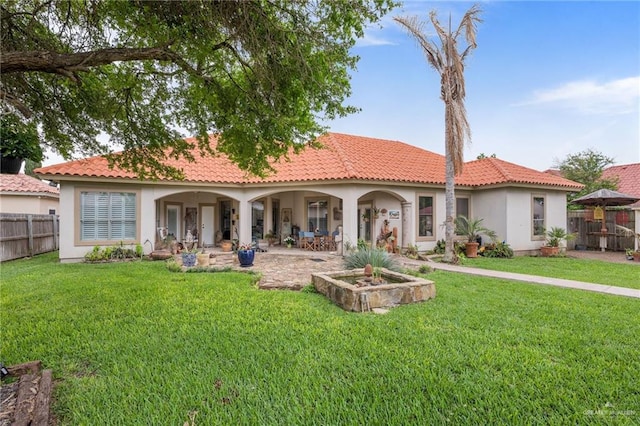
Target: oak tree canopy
x,y
264,74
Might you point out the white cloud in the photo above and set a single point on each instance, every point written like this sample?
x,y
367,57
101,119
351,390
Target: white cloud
x,y
372,40
590,97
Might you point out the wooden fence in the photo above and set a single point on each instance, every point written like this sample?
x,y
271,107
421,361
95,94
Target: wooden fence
x,y
588,233
23,235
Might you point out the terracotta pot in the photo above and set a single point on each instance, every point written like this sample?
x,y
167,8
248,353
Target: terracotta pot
x,y
636,256
471,249
549,251
226,245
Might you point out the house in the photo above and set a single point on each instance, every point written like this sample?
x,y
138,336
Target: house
x,y
628,176
341,185
20,193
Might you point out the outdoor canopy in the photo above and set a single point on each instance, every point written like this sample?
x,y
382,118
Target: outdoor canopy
x,y
605,197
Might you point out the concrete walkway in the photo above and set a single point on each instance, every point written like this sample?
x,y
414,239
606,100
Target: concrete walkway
x,y
534,279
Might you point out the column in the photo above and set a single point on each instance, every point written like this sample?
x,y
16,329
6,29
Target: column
x,y
407,224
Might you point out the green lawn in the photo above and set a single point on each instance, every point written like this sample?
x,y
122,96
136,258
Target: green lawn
x,y
132,343
591,271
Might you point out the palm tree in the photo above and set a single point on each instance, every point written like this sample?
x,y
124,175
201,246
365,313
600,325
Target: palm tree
x,y
449,63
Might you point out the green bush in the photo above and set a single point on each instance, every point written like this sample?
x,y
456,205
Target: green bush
x,y
121,252
376,257
424,269
173,266
498,250
440,246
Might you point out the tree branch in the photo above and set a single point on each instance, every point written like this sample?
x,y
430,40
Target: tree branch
x,y
16,103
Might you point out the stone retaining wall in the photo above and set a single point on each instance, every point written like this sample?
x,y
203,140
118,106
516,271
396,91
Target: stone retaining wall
x,y
350,297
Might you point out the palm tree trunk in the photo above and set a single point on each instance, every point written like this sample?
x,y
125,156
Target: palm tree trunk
x,y
450,197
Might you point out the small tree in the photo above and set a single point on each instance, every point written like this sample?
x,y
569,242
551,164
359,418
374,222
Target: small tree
x,y
586,167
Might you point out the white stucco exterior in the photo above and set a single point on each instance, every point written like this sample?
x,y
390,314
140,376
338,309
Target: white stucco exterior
x,y
507,210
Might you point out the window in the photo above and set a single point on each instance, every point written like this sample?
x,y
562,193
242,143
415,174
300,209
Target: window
x,y
52,211
538,223
257,220
462,207
425,216
108,216
317,215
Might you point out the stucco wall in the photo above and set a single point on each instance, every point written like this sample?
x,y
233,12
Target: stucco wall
x,y
508,211
29,204
505,210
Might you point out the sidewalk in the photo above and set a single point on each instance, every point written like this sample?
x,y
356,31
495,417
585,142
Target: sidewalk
x,y
534,279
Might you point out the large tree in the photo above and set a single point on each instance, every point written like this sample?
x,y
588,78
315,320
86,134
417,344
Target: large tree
x,y
586,167
264,75
448,62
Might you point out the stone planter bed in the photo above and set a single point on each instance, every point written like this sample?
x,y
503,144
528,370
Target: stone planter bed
x,y
401,289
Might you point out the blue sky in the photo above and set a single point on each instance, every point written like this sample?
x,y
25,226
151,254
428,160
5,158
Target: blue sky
x,y
548,79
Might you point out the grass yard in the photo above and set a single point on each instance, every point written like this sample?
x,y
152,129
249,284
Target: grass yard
x,y
134,344
591,271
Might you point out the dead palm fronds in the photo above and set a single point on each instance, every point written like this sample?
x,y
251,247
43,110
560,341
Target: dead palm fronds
x,y
448,61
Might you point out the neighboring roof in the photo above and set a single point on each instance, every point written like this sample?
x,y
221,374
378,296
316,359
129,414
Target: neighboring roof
x,y
628,179
344,157
21,184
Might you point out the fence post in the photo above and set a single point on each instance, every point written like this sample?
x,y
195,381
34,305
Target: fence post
x,y
56,240
30,233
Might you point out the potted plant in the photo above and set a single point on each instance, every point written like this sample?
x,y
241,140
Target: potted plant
x,y
472,229
554,237
629,253
189,257
289,241
270,237
246,255
18,142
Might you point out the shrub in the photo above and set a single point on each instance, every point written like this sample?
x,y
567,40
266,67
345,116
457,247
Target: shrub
x,y
412,251
498,250
309,289
424,269
173,266
376,257
440,246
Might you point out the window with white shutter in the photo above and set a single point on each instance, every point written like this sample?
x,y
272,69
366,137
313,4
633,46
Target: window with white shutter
x,y
106,216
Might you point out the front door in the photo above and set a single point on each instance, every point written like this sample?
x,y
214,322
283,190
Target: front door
x,y
207,234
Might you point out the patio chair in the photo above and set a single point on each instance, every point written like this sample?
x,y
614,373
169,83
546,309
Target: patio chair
x,y
308,241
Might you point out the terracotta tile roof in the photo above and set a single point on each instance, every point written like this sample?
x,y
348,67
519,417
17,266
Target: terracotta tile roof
x,y
493,171
628,179
22,183
344,157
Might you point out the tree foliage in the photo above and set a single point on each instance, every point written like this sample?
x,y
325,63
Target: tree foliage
x,y
586,167
263,75
448,61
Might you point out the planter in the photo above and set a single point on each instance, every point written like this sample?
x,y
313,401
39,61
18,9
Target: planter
x,y
471,249
548,251
226,246
636,256
289,245
10,165
188,259
246,257
203,259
